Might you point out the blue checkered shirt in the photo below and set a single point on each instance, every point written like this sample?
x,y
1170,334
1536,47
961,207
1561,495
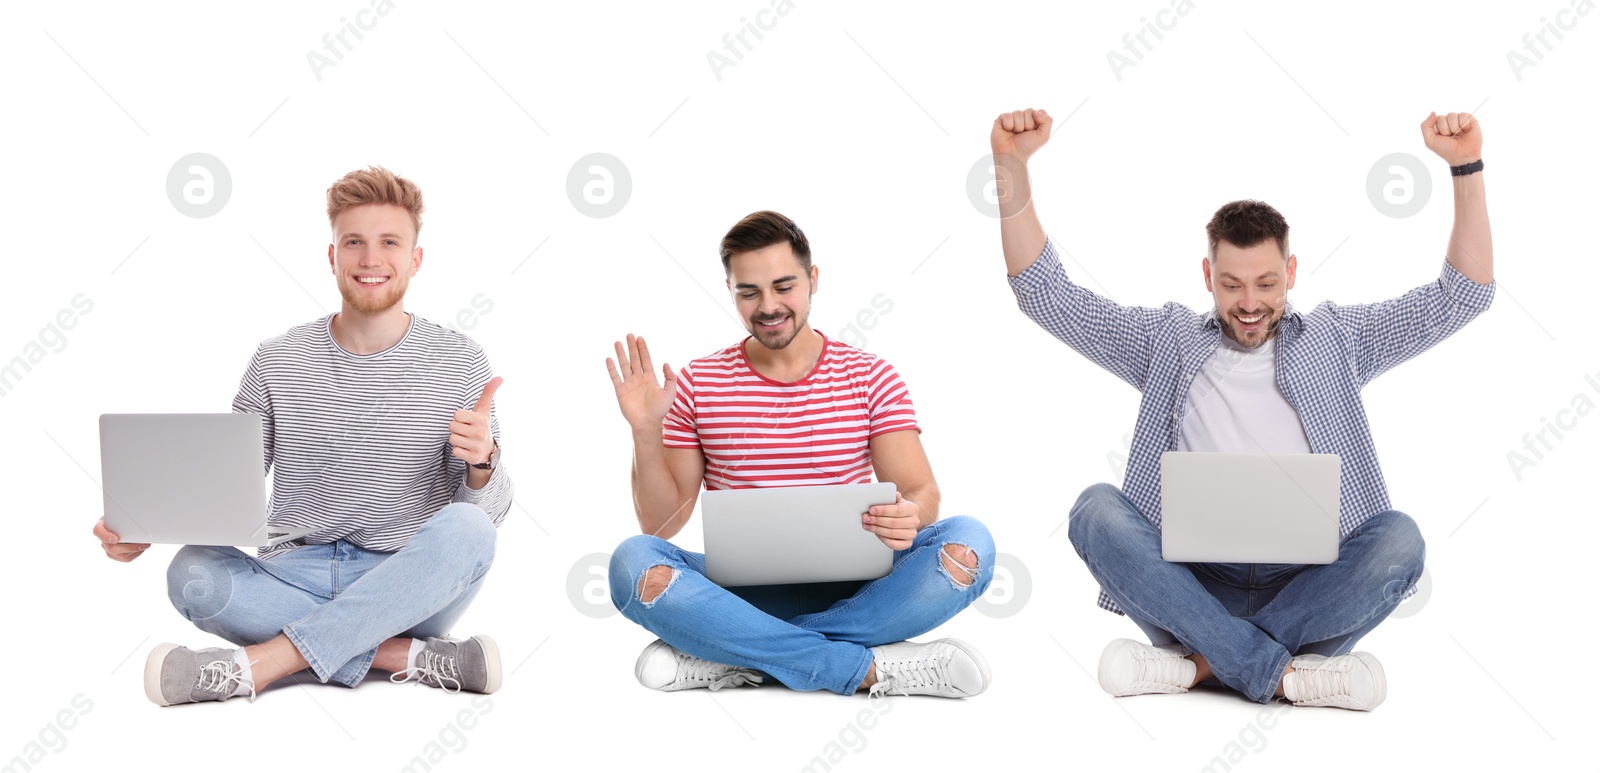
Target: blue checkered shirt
x,y
1323,359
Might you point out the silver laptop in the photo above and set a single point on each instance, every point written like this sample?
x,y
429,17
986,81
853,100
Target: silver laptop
x,y
187,479
1250,508
793,534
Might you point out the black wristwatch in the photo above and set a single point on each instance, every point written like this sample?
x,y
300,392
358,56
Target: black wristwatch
x,y
494,459
1466,169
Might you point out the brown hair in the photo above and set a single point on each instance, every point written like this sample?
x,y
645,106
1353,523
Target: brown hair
x,y
1246,223
375,185
764,229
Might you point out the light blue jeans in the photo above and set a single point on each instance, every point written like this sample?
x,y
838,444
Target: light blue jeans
x,y
1247,620
812,636
337,602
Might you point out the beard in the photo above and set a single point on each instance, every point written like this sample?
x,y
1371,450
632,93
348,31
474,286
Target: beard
x,y
1256,338
776,339
369,303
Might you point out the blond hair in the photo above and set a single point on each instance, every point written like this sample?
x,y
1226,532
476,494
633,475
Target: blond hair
x,y
375,185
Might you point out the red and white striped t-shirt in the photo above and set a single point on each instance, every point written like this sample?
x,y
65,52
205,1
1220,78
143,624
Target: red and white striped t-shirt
x,y
757,432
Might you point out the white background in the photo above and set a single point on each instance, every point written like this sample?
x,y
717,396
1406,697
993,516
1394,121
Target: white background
x,y
862,124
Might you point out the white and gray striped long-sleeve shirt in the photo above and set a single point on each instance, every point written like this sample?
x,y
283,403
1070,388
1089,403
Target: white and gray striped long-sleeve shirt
x,y
358,445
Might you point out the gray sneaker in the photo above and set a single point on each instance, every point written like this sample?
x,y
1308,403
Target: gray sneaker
x,y
455,665
666,668
174,674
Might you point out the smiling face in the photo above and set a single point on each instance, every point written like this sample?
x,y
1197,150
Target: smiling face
x,y
373,256
1251,286
772,292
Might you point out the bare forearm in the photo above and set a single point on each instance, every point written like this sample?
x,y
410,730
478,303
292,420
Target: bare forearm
x,y
927,499
657,503
1471,249
1458,139
1021,234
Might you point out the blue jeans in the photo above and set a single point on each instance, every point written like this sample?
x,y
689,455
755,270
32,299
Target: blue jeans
x,y
337,602
1247,620
811,636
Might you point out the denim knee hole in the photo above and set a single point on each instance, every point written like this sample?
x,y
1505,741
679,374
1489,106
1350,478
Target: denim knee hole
x,y
652,584
949,564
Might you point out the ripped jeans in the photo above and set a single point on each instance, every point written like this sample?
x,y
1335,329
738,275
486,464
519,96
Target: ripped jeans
x,y
813,636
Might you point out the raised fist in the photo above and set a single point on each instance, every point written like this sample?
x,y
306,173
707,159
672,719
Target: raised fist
x,y
1019,133
1456,137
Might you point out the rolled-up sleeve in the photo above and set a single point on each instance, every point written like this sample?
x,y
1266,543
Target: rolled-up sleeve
x,y
1113,336
1384,334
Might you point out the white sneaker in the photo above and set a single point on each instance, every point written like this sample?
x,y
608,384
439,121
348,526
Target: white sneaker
x,y
1128,667
1354,681
948,668
663,667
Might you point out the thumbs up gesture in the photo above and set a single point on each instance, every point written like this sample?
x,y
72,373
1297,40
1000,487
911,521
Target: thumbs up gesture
x,y
469,433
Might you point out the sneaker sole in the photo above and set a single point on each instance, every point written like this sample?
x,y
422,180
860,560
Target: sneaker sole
x,y
152,674
491,663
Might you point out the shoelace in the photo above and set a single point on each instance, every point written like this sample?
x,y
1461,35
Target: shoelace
x,y
900,675
1320,682
434,669
1162,670
693,669
224,677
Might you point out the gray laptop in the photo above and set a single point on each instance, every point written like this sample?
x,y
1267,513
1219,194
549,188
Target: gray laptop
x,y
187,479
1250,508
794,534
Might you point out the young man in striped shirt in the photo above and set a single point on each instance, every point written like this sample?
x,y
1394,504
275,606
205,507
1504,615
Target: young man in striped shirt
x,y
788,406
1252,375
380,434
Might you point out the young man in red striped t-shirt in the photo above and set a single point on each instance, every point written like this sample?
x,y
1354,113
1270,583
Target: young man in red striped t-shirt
x,y
789,407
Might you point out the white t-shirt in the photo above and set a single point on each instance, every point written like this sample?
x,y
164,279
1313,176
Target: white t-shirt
x,y
1234,405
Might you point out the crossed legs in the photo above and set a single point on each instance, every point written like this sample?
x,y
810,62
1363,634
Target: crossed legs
x,y
664,589
1321,610
336,609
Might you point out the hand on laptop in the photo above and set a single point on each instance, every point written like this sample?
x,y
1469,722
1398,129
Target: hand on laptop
x,y
896,525
469,430
115,549
644,402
